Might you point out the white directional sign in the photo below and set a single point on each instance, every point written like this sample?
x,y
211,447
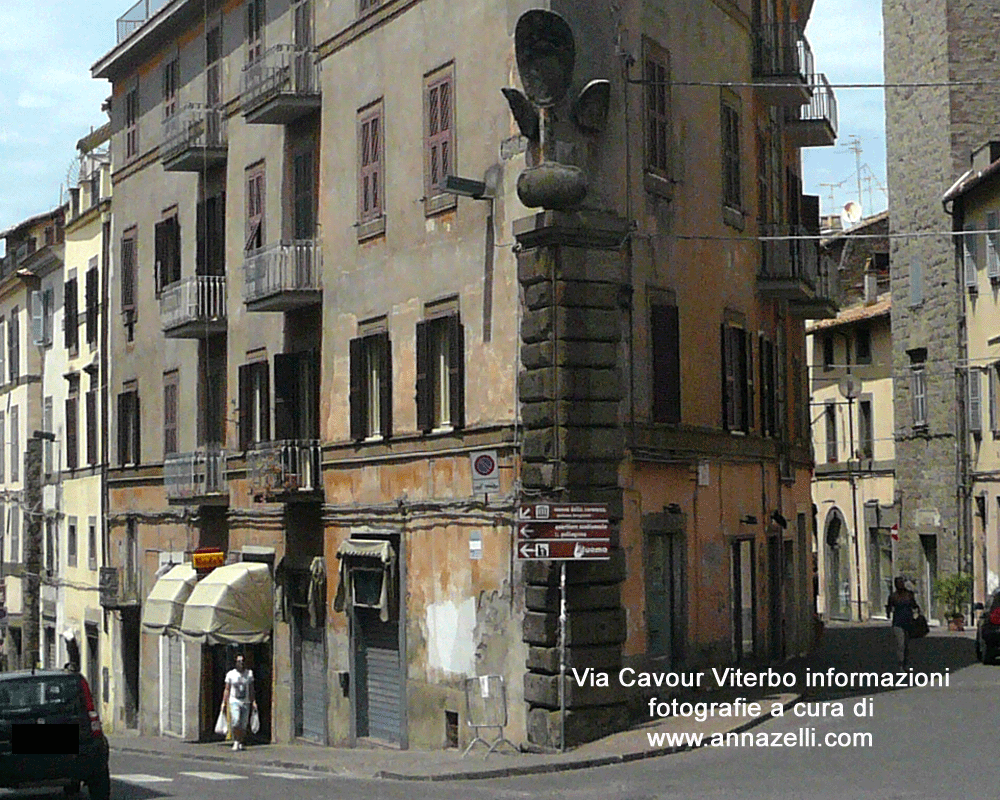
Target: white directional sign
x,y
533,550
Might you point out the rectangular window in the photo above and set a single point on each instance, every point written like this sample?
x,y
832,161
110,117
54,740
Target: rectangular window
x,y
72,429
970,258
737,383
129,277
665,335
255,404
255,30
15,446
255,208
731,195
42,309
828,356
15,533
171,80
51,559
918,394
170,385
975,403
863,345
92,293
305,195
132,123
866,429
656,109
14,344
128,426
830,414
371,386
71,542
210,258
439,138
167,247
440,373
71,324
213,67
370,151
92,425
92,542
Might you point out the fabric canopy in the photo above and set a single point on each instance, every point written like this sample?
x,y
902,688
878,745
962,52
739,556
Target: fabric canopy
x,y
231,605
365,548
164,607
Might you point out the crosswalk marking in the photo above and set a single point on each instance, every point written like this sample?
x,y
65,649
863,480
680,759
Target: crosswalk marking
x,y
290,775
215,776
141,777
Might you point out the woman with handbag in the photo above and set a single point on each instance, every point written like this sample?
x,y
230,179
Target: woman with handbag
x,y
238,698
902,608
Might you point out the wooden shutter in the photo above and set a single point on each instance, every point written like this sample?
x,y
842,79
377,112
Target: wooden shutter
x,y
456,370
170,414
975,401
358,395
993,245
128,273
123,425
136,427
71,324
438,139
666,364
969,256
255,208
245,406
91,410
370,164
37,318
91,301
160,255
71,432
724,363
425,407
264,400
746,342
385,384
287,395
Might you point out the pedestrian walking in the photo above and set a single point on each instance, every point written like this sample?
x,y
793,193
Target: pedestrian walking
x,y
902,609
240,699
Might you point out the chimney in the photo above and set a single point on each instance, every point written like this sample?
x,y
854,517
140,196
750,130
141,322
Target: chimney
x,y
871,282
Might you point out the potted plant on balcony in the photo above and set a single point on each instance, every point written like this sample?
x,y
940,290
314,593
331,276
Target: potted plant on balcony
x,y
953,592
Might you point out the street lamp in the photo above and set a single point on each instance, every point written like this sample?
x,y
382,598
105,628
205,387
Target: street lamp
x,y
850,388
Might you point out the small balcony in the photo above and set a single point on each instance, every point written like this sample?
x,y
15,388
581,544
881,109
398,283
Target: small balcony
x,y
281,86
118,587
783,62
194,139
197,478
194,308
816,123
790,269
137,16
283,276
285,471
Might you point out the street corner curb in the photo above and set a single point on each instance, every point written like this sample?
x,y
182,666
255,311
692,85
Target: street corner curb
x,y
504,772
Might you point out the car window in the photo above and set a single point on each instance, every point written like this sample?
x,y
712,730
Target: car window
x,y
39,694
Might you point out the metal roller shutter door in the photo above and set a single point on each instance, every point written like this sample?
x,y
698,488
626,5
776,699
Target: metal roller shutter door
x,y
313,691
175,691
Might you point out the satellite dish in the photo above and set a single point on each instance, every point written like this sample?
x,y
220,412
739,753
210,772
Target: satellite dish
x,y
852,212
850,387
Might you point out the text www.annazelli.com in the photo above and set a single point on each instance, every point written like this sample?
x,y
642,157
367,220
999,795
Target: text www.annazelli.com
x,y
803,737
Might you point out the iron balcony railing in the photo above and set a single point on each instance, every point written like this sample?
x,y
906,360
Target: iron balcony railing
x,y
781,49
823,105
194,126
282,468
200,298
282,267
281,69
198,474
136,17
785,257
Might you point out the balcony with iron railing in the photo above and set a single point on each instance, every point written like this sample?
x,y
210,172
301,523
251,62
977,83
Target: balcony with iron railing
x,y
783,64
816,122
198,477
283,276
194,138
285,471
194,308
137,16
791,269
118,587
281,86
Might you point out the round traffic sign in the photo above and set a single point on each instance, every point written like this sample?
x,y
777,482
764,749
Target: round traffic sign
x,y
484,465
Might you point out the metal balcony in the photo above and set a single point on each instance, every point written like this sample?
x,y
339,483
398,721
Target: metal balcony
x,y
198,477
194,308
283,276
790,269
281,86
816,123
783,62
194,138
285,471
137,16
118,587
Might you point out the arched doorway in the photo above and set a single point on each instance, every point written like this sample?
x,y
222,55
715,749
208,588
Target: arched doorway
x,y
838,567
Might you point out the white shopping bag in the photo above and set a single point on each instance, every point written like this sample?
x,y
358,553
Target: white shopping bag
x,y
222,724
254,720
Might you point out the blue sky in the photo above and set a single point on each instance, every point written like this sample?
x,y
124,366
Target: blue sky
x,y
48,100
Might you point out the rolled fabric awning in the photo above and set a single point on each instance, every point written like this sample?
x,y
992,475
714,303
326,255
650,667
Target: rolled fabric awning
x,y
163,609
233,604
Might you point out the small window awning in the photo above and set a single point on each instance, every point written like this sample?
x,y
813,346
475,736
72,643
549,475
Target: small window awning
x,y
366,549
163,609
233,604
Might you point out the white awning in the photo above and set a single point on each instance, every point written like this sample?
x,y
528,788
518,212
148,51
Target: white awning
x,y
163,609
233,604
364,548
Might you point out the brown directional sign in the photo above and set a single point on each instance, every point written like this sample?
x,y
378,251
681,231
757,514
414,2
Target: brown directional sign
x,y
587,529
561,512
545,550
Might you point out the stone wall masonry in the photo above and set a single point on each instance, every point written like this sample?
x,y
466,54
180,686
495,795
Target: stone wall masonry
x,y
573,276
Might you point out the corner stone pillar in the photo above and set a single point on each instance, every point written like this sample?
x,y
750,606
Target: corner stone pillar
x,y
574,275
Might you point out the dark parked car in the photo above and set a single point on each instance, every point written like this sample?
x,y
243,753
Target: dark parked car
x,y
988,632
50,733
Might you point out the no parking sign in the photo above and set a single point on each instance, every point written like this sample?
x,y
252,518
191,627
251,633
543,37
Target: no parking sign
x,y
485,472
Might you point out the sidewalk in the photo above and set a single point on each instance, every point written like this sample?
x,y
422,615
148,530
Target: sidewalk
x,y
443,765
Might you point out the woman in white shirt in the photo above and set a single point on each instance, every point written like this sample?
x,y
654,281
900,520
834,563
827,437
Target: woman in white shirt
x,y
239,694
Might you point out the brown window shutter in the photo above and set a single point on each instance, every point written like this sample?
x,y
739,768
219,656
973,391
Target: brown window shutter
x,y
425,408
245,403
128,273
160,254
91,426
748,405
136,426
724,338
357,395
71,433
123,428
91,301
456,370
666,364
385,384
370,133
265,400
70,326
170,416
438,135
